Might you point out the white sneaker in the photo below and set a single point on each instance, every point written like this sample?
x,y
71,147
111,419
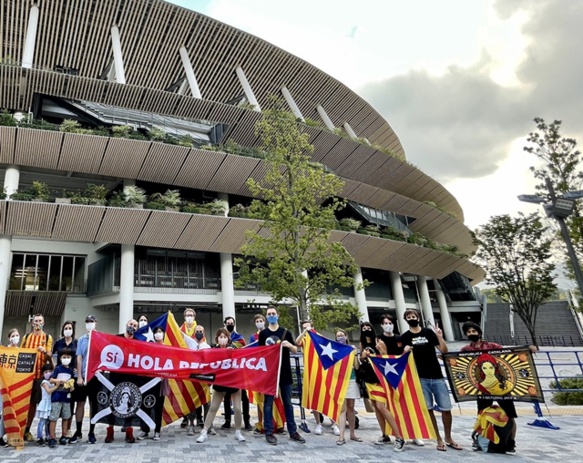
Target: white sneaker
x,y
419,442
156,436
190,431
143,435
335,430
318,430
203,437
239,437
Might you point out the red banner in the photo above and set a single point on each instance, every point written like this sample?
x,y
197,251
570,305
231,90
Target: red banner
x,y
251,368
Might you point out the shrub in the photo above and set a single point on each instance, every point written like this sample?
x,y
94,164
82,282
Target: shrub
x,y
117,200
122,131
156,205
23,196
7,119
568,398
349,224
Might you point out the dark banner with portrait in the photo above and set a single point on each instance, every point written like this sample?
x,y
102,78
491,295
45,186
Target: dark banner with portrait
x,y
504,373
124,400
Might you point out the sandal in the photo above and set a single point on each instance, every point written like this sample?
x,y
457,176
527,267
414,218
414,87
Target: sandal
x,y
341,442
441,447
354,438
454,445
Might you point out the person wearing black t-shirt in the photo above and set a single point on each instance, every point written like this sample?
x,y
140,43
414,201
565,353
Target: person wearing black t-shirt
x,y
275,334
423,341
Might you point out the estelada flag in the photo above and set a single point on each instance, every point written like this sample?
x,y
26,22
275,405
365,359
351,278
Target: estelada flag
x,y
402,390
258,399
327,368
16,377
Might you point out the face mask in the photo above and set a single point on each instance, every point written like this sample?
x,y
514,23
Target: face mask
x,y
223,341
90,326
341,340
66,361
413,323
142,323
68,333
189,319
260,325
130,330
388,328
272,319
15,340
38,326
48,375
474,337
230,328
158,336
199,335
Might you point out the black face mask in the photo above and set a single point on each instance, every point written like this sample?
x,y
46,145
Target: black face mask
x,y
230,328
474,337
413,323
199,335
130,330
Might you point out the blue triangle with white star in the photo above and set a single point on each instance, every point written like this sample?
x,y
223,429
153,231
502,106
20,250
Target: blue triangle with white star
x,y
146,333
330,352
392,368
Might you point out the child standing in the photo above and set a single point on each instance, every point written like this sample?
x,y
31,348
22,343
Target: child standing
x,y
61,399
43,410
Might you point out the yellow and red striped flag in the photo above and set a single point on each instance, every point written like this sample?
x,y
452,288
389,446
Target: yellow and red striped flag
x,y
401,391
278,412
15,387
327,368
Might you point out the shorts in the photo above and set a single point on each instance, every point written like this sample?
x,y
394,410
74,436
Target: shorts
x,y
436,390
506,405
81,393
60,410
35,393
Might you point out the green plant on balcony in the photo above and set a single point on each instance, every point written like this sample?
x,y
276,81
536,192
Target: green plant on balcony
x,y
238,210
157,134
371,230
393,233
194,208
186,141
170,199
40,191
25,195
3,193
71,126
155,205
350,224
312,123
134,196
218,206
122,131
95,194
418,239
117,199
7,119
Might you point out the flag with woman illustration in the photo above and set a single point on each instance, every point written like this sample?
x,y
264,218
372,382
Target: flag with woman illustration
x,y
508,373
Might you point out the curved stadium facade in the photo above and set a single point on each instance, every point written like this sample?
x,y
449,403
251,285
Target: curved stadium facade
x,y
191,88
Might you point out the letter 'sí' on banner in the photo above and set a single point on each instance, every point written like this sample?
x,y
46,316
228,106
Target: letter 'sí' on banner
x,y
253,368
16,377
504,373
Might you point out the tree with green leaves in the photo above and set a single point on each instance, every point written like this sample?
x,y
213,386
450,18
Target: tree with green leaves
x,y
516,255
561,161
292,256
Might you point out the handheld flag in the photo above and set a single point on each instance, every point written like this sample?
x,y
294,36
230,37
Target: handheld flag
x,y
402,392
328,366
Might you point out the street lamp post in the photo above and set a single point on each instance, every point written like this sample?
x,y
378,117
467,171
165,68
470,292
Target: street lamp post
x,y
560,208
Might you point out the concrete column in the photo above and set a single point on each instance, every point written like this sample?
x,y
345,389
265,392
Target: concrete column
x,y
30,39
360,296
120,75
399,296
349,131
425,300
291,103
247,89
11,179
5,262
190,77
444,313
327,121
126,285
227,286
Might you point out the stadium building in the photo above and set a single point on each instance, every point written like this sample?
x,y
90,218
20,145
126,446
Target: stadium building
x,y
108,104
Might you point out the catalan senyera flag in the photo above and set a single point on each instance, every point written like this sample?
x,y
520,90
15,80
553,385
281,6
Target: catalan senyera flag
x,y
487,420
327,369
184,396
257,398
403,395
16,377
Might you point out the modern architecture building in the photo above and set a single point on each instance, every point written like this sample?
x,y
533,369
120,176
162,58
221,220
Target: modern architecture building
x,y
167,99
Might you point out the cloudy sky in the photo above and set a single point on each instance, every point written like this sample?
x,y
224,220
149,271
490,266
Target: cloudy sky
x,y
460,81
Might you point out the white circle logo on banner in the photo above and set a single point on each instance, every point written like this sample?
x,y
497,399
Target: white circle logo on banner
x,y
112,357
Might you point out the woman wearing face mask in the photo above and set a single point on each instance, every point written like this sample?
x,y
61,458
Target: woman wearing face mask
x,y
352,393
143,320
223,341
13,338
67,341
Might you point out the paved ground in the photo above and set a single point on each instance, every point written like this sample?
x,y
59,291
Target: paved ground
x,y
533,444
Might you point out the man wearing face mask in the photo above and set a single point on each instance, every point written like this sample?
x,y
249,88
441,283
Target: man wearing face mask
x,y
85,390
387,342
275,334
423,341
259,321
43,343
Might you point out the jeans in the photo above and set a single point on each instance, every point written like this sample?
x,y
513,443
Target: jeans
x,y
285,391
43,425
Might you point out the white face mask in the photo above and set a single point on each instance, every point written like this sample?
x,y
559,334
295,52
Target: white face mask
x,y
90,326
260,325
158,336
68,333
388,328
66,362
223,341
142,323
15,340
189,319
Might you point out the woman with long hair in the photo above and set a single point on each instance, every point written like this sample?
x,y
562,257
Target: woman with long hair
x,y
352,393
492,379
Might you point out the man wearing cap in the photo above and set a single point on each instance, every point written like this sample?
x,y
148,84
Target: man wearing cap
x,y
85,390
